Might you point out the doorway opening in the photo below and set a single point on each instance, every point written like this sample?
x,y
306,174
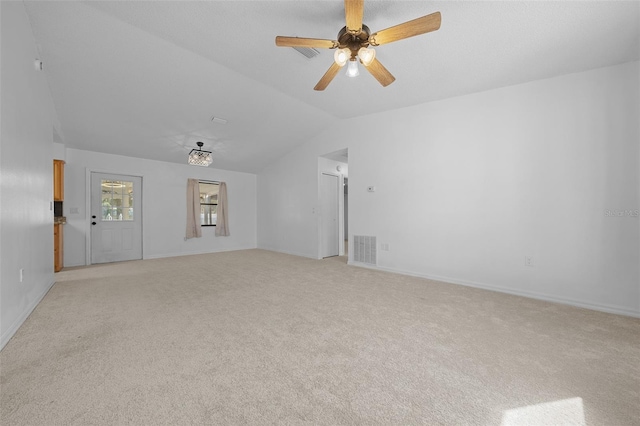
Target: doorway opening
x,y
333,197
329,198
345,185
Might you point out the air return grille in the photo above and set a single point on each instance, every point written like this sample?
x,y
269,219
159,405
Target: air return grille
x,y
309,52
364,249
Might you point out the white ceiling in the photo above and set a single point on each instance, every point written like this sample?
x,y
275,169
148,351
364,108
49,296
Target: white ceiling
x,y
144,78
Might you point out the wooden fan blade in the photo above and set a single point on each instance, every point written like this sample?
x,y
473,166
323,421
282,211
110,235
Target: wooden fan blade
x,y
353,11
327,77
416,27
305,42
380,73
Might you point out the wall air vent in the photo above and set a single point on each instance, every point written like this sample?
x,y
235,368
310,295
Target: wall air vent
x,y
309,52
364,249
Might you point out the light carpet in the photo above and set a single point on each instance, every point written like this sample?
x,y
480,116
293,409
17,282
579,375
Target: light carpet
x,y
257,337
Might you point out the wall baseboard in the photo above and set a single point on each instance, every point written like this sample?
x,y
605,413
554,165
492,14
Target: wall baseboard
x,y
8,334
532,295
288,252
190,253
182,253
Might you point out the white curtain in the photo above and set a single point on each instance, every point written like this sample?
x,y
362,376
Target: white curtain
x,y
193,209
222,222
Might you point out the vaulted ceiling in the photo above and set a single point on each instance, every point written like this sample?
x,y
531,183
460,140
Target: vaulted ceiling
x,y
144,78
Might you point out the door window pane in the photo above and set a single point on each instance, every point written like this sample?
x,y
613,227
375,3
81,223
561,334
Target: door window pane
x,y
117,200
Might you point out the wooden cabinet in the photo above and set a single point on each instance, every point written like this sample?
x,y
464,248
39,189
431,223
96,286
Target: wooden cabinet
x,y
58,180
58,227
58,251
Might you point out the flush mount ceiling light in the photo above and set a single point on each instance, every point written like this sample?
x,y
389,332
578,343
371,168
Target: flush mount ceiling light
x,y
198,157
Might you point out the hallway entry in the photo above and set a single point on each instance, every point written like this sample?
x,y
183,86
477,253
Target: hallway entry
x,y
333,213
329,193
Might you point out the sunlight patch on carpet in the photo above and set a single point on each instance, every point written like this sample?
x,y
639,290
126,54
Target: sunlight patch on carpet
x,y
562,412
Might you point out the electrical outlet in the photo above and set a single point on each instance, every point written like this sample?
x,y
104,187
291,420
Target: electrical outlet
x,y
21,274
528,261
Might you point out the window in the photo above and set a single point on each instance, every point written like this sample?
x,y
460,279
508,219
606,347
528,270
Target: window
x,y
208,203
117,200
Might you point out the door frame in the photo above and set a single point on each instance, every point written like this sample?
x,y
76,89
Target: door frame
x,y
87,209
340,215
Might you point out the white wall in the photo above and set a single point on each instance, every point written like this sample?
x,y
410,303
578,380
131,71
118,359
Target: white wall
x,y
287,205
26,153
467,187
164,187
59,151
288,201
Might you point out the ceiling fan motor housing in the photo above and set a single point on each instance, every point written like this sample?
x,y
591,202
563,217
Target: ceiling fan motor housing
x,y
353,42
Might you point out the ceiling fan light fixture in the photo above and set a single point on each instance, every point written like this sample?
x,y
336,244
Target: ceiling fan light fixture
x,y
366,56
198,157
342,56
352,69
353,41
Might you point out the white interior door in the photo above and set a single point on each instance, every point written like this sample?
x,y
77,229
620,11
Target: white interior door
x,y
329,190
116,218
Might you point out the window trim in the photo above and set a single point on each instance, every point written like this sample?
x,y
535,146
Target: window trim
x,y
210,182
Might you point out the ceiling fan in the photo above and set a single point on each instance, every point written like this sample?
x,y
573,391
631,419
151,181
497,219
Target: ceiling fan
x,y
354,39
